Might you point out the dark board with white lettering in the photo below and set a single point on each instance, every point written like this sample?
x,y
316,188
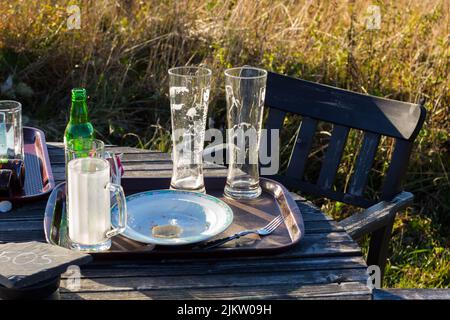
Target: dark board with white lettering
x,y
27,263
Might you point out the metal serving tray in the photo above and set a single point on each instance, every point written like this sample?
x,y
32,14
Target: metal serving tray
x,y
249,214
39,181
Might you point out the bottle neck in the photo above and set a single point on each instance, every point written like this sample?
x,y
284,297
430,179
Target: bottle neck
x,y
78,112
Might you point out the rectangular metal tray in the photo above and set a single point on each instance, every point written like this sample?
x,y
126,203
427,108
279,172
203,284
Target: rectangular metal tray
x,y
39,181
249,214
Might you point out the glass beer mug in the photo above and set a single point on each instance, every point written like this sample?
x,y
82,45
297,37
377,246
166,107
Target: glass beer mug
x,y
89,205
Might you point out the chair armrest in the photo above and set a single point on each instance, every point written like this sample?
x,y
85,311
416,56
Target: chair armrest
x,y
375,216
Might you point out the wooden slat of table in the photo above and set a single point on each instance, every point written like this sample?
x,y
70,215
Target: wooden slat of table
x,y
348,290
326,264
411,294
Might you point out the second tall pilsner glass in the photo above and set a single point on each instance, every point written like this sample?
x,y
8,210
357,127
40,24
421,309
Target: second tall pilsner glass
x,y
189,96
245,90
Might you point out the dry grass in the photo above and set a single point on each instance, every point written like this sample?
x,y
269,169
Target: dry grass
x,y
124,48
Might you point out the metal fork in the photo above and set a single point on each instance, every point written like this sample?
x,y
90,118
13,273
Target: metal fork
x,y
264,231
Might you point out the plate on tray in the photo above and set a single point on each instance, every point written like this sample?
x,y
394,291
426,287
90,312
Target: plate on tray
x,y
173,218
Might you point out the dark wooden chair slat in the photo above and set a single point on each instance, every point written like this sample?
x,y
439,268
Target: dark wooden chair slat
x,y
350,109
364,163
275,119
333,157
300,152
397,169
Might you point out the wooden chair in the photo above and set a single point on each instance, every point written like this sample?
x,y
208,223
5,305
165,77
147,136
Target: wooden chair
x,y
374,116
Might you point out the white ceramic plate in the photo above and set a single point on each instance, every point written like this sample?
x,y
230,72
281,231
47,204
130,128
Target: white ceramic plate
x,y
194,216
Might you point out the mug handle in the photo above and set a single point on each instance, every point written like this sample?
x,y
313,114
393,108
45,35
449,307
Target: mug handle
x,y
116,176
122,207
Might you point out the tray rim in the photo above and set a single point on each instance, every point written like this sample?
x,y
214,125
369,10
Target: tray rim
x,y
51,180
187,251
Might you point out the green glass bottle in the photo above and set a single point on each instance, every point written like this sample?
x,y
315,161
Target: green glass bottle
x,y
79,127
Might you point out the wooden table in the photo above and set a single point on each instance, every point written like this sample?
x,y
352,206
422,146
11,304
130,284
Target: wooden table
x,y
327,264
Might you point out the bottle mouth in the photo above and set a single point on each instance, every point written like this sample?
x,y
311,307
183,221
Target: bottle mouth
x,y
79,94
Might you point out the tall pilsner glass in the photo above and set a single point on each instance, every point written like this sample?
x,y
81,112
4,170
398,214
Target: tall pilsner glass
x,y
189,95
245,90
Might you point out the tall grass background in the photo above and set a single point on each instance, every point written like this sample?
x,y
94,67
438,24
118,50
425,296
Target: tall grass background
x,y
123,50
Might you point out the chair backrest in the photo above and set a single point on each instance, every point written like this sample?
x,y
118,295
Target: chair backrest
x,y
374,116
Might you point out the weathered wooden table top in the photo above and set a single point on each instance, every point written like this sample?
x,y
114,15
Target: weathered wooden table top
x,y
327,264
